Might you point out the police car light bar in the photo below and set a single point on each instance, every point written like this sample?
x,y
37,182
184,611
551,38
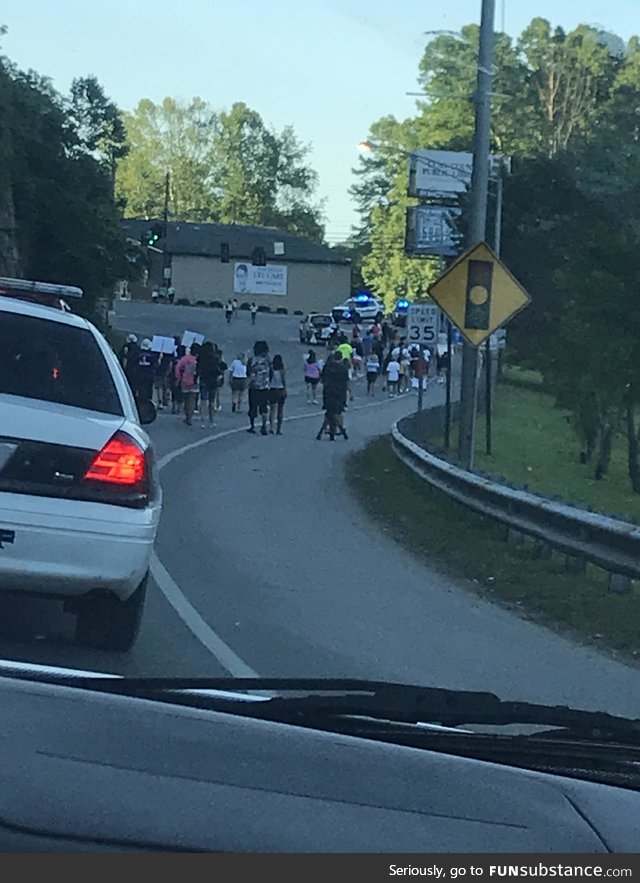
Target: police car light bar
x,y
46,288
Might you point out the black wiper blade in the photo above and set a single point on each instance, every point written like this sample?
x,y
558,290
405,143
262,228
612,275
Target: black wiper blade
x,y
302,698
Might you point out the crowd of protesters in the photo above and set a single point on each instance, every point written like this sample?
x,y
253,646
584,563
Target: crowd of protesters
x,y
189,381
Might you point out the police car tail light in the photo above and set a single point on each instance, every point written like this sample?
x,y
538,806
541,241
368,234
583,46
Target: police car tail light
x,y
121,462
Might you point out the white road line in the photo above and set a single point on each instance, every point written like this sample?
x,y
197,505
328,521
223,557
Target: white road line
x,y
194,621
199,627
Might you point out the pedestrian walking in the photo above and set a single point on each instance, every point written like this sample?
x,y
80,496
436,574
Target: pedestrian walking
x,y
221,367
277,394
145,372
176,389
372,367
312,371
234,304
367,343
335,379
207,374
258,371
228,311
129,358
404,382
393,376
161,381
253,309
237,381
187,377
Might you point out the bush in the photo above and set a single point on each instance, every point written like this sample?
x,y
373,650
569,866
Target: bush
x,y
282,311
298,313
216,304
201,303
245,306
263,308
183,302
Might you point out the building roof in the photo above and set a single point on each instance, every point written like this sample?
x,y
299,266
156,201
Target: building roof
x,y
205,240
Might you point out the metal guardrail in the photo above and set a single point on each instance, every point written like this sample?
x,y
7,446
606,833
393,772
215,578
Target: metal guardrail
x,y
607,542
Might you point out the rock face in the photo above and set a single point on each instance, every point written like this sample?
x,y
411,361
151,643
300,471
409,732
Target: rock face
x,y
9,255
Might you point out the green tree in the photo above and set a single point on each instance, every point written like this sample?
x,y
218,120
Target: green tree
x,y
174,137
69,227
98,124
226,167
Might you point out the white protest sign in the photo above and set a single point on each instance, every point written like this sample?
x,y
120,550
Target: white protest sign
x,y
191,337
160,344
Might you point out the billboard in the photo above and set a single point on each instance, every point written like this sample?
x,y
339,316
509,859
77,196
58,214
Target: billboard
x,y
432,230
445,174
248,279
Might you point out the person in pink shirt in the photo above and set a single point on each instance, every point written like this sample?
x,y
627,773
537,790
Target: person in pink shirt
x,y
186,376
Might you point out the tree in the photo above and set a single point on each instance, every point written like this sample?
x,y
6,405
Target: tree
x,y
98,124
226,167
69,226
174,137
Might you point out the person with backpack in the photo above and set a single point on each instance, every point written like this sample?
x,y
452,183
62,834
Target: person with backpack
x,y
258,371
311,377
277,394
372,367
335,380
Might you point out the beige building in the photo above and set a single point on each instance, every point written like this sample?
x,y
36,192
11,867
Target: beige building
x,y
216,262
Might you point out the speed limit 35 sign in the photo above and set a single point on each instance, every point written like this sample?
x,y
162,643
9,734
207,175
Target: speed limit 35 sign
x,y
423,323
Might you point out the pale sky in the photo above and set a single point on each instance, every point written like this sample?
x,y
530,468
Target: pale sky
x,y
328,67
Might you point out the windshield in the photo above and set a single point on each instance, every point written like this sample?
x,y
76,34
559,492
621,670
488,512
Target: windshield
x,y
54,362
440,489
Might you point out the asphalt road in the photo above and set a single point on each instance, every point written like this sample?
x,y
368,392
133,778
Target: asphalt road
x,y
265,564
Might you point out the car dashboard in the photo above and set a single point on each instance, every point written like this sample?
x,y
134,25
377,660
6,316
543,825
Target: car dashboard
x,y
87,771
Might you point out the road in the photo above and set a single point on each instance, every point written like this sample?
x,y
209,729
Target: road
x,y
265,564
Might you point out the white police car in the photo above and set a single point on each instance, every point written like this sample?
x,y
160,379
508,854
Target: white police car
x,y
358,309
80,498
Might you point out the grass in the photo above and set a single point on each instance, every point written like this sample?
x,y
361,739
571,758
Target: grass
x,y
534,445
460,542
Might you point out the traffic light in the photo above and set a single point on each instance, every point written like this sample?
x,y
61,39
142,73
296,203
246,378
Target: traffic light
x,y
259,257
224,252
152,234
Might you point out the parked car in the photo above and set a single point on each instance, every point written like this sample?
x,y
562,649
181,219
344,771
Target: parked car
x,y
318,326
80,498
359,308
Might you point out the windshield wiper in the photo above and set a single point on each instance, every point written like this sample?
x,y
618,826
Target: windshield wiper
x,y
308,700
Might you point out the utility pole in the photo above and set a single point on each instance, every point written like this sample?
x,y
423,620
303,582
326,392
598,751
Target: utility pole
x,y
478,222
497,242
166,271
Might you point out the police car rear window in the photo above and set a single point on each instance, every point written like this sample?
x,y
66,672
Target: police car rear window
x,y
55,362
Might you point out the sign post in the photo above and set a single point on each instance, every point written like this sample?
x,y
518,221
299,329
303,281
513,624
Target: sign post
x,y
423,324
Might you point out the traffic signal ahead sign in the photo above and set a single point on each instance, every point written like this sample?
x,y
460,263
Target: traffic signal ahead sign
x,y
479,294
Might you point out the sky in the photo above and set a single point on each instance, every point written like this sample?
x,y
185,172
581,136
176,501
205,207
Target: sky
x,y
327,67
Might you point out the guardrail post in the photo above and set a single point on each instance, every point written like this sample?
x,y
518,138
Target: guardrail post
x,y
574,564
514,537
542,550
619,583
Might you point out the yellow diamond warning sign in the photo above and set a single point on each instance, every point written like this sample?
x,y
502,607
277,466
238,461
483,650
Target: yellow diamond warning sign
x,y
479,294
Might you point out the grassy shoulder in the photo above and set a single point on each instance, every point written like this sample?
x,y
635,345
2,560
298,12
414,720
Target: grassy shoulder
x,y
442,532
534,445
